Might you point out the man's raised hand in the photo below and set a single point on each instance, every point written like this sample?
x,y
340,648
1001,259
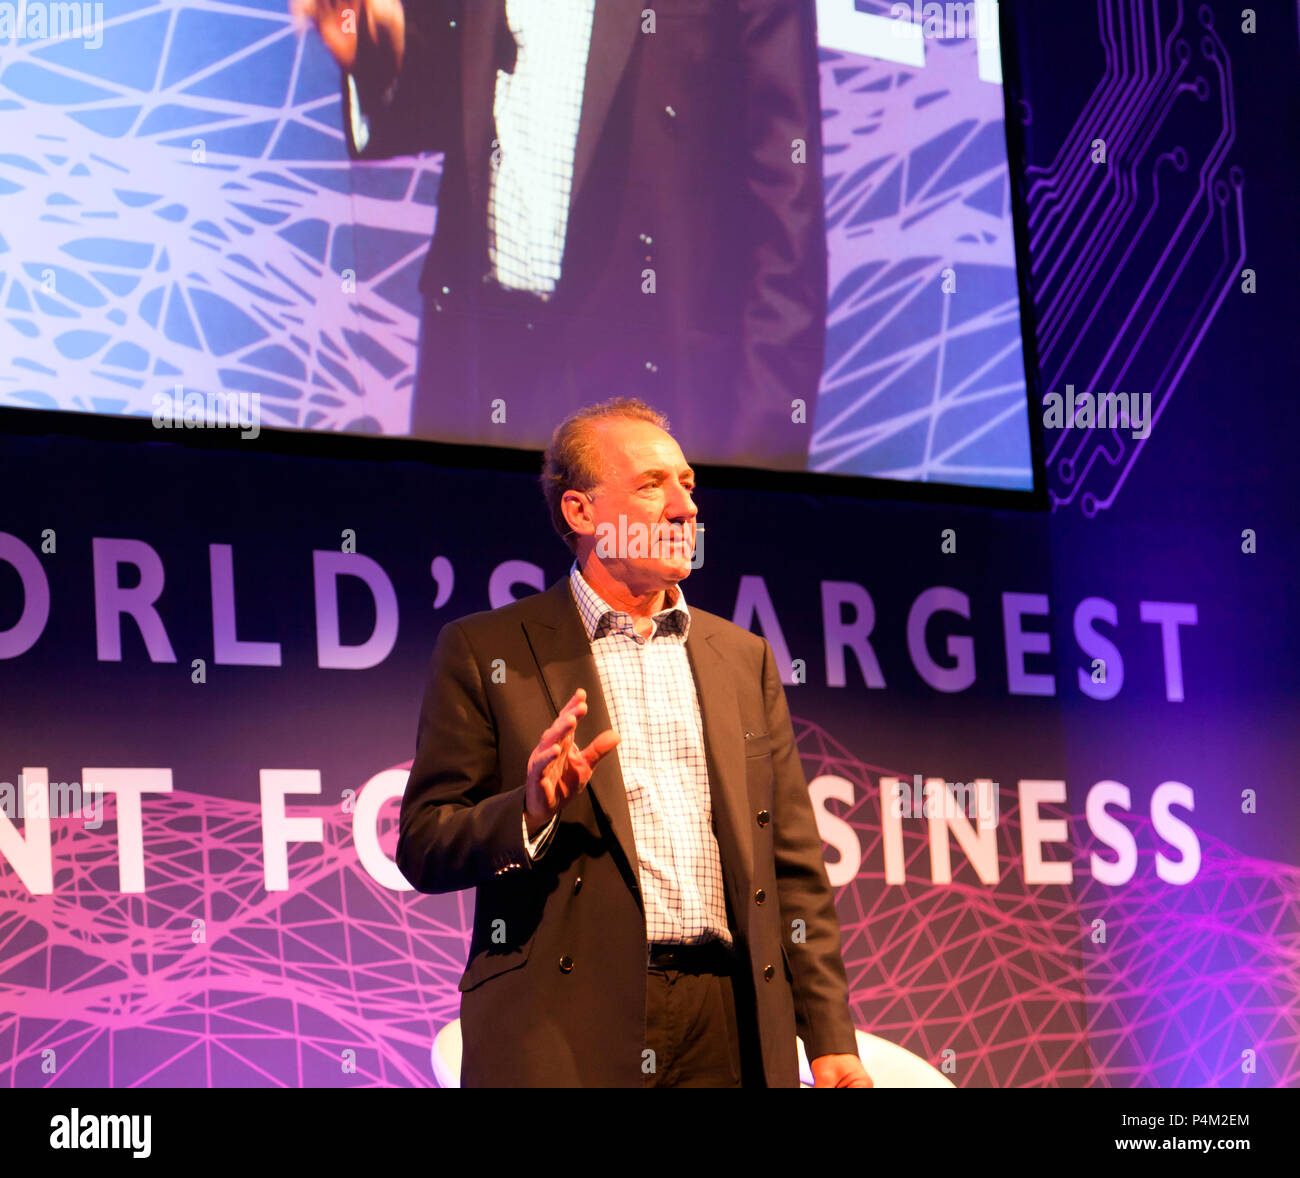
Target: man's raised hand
x,y
558,772
379,24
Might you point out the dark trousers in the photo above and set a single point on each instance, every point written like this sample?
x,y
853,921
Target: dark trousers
x,y
700,1026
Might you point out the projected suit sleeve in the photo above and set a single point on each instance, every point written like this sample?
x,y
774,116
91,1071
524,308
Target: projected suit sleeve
x,y
784,312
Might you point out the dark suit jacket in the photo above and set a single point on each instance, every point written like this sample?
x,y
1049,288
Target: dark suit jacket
x,y
683,166
555,988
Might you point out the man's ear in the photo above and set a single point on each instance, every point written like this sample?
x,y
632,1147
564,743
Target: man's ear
x,y
576,508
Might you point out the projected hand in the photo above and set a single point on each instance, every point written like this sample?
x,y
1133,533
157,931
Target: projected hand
x,y
558,772
379,26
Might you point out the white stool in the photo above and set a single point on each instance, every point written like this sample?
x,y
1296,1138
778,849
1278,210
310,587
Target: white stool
x,y
447,1048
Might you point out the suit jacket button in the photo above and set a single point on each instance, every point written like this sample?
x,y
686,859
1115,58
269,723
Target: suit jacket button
x,y
764,818
769,972
566,964
577,885
760,896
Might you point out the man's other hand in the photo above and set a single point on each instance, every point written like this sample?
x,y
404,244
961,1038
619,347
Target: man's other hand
x,y
557,772
839,1071
380,26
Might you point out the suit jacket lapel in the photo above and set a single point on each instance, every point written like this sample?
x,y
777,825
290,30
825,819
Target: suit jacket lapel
x,y
724,744
481,24
614,31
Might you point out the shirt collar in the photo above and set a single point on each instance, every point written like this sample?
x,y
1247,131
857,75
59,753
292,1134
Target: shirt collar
x,y
672,619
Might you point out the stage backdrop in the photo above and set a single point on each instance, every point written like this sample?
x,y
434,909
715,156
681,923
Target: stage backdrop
x,y
231,644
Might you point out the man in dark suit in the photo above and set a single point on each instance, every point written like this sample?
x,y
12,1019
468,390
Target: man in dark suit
x,y
631,198
616,775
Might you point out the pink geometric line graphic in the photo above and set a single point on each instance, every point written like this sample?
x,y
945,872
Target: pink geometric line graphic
x,y
284,984
1008,977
